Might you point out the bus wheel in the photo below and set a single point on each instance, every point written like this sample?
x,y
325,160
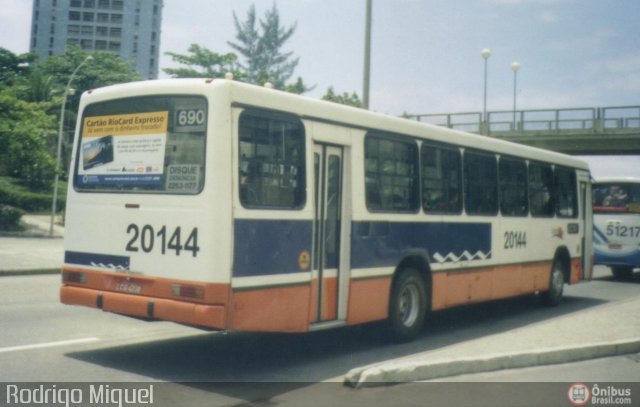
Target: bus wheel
x,y
407,306
553,297
622,273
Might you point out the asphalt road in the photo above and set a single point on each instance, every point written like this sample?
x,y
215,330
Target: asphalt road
x,y
44,341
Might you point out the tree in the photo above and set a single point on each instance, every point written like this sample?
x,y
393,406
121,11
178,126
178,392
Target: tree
x,y
25,132
262,50
25,128
249,38
106,68
35,87
13,66
30,100
204,63
345,98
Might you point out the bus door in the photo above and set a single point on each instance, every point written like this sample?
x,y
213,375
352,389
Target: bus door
x,y
328,184
587,220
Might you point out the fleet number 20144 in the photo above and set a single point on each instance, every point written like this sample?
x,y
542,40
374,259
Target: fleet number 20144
x,y
146,238
515,239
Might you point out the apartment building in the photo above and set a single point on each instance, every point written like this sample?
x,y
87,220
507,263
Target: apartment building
x,y
130,28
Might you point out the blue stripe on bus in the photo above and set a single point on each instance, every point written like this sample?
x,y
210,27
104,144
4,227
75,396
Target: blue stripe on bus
x,y
384,244
267,247
120,263
598,236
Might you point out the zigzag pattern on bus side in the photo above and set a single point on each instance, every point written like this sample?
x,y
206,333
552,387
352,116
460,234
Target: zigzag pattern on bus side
x,y
452,258
110,266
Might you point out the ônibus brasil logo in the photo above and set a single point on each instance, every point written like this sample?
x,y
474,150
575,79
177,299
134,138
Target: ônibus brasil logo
x,y
579,394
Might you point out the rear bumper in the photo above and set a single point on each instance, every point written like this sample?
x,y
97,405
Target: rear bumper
x,y
208,316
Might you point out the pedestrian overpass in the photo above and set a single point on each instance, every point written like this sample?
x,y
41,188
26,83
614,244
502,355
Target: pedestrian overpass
x,y
611,130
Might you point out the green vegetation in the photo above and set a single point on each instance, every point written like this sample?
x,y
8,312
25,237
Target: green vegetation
x,y
10,217
15,193
17,198
345,98
31,97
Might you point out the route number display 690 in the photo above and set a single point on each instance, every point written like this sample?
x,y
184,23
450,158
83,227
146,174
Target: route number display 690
x,y
191,117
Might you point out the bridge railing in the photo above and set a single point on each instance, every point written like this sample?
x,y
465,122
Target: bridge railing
x,y
621,117
467,121
545,121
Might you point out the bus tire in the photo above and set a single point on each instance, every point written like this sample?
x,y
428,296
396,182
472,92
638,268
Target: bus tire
x,y
553,296
407,306
622,273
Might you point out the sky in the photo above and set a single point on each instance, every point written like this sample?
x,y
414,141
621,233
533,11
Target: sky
x,y
426,54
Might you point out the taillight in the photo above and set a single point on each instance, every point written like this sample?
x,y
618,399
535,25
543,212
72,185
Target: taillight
x,y
187,291
74,277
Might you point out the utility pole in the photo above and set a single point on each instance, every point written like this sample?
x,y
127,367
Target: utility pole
x,y
367,57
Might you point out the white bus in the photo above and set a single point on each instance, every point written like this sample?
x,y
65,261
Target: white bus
x,y
616,224
228,206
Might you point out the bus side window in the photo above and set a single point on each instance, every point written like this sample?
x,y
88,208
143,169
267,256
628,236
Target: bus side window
x,y
513,187
481,183
441,179
566,193
541,190
391,172
271,161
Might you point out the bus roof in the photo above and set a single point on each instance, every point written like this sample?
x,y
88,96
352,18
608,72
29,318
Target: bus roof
x,y
607,180
319,110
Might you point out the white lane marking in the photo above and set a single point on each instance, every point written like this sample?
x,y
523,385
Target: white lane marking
x,y
48,344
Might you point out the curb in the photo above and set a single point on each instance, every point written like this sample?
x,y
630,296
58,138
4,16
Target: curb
x,y
29,234
401,372
35,226
32,272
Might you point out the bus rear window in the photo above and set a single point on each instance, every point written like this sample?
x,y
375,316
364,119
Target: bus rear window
x,y
143,145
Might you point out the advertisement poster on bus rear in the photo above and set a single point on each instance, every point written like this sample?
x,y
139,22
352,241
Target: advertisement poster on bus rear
x,y
123,149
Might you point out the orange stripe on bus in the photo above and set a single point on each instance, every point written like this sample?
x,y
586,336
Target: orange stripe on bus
x,y
577,271
292,308
210,316
490,283
330,299
281,309
368,300
157,287
313,301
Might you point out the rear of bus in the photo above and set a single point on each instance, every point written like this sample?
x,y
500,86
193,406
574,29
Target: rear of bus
x,y
147,190
616,224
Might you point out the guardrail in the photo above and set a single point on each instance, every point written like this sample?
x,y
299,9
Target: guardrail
x,y
546,121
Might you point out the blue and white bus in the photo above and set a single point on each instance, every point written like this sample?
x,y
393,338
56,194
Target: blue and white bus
x,y
228,206
616,229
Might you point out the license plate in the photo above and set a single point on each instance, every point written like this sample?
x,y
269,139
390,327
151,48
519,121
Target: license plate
x,y
128,287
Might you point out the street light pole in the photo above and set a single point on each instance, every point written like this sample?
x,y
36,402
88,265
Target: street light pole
x,y
367,57
514,67
486,53
58,152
